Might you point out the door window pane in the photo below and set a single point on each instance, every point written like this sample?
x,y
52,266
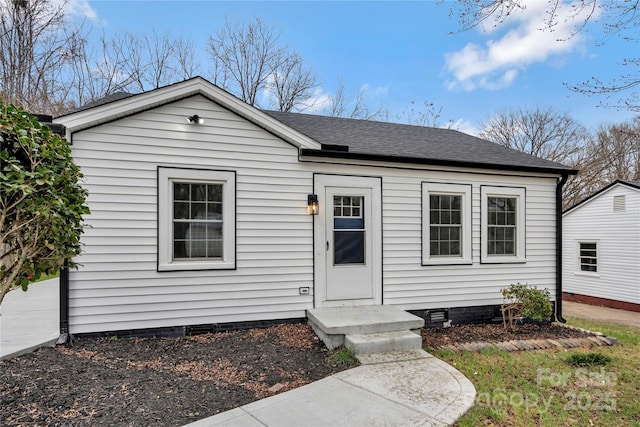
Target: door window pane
x,y
348,230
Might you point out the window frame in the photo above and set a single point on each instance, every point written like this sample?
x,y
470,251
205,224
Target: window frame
x,y
519,193
166,177
579,269
446,189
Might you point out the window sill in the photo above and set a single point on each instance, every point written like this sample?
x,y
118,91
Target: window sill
x,y
446,261
197,266
503,260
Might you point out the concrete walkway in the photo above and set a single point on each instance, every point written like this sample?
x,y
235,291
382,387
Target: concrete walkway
x,y
408,389
603,314
29,320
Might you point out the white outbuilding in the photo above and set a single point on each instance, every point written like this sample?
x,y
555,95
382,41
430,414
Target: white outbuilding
x,y
601,255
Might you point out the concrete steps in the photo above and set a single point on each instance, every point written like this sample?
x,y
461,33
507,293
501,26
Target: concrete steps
x,y
383,342
367,329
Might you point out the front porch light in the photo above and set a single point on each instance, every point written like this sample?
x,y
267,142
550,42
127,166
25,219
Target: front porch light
x,y
312,204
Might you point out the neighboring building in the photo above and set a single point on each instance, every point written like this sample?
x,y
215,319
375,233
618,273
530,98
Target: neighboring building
x,y
200,215
601,254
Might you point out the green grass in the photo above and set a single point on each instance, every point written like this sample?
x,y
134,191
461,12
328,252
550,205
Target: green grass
x,y
344,357
588,359
540,388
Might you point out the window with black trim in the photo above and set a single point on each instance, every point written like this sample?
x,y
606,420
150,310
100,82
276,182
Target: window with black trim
x,y
588,257
196,219
446,224
503,224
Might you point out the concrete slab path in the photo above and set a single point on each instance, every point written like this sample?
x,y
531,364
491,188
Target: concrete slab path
x,y
416,390
29,320
603,314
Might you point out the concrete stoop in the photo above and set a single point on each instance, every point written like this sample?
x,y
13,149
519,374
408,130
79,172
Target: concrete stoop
x,y
367,329
383,342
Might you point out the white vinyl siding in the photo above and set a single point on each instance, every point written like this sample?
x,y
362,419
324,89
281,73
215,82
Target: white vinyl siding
x,y
617,233
412,286
118,285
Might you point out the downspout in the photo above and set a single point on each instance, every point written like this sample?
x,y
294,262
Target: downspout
x,y
559,186
64,337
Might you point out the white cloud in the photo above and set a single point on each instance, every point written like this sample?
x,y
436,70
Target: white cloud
x,y
317,102
463,126
496,64
83,9
378,91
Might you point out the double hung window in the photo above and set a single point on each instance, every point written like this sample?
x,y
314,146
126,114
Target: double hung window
x,y
196,219
446,230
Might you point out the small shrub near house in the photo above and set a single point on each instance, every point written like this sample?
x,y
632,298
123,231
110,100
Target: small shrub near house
x,y
41,200
524,301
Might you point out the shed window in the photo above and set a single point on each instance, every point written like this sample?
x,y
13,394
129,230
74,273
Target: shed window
x,y
588,257
196,219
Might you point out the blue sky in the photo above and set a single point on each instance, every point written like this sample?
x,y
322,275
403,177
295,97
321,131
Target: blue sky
x,y
404,52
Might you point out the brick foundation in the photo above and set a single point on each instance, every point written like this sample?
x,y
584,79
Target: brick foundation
x,y
611,303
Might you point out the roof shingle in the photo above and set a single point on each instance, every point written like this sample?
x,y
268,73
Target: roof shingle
x,y
394,140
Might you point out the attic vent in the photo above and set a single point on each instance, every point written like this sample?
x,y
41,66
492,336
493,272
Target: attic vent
x,y
438,316
618,203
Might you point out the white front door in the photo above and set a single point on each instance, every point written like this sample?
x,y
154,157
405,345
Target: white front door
x,y
349,233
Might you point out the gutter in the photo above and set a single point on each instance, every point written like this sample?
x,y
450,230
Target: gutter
x,y
559,186
64,337
333,153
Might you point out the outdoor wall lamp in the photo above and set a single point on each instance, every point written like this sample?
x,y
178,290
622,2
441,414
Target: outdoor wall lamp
x,y
312,204
195,119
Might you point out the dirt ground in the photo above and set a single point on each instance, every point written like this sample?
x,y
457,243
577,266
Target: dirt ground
x,y
158,382
175,381
460,334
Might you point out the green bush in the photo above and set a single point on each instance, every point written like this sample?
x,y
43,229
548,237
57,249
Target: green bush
x,y
41,200
522,300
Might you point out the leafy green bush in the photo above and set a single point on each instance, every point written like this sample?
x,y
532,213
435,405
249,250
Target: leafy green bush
x,y
588,359
522,300
41,200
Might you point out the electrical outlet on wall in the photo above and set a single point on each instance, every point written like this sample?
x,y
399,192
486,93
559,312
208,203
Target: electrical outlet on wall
x,y
304,290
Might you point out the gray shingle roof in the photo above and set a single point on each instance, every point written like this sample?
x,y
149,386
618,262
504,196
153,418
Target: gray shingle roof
x,y
405,142
100,101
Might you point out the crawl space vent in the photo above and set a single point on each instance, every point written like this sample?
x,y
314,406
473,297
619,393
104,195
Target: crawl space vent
x,y
438,316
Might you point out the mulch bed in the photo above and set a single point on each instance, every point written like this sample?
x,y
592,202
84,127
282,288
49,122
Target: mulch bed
x,y
495,333
159,382
175,381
